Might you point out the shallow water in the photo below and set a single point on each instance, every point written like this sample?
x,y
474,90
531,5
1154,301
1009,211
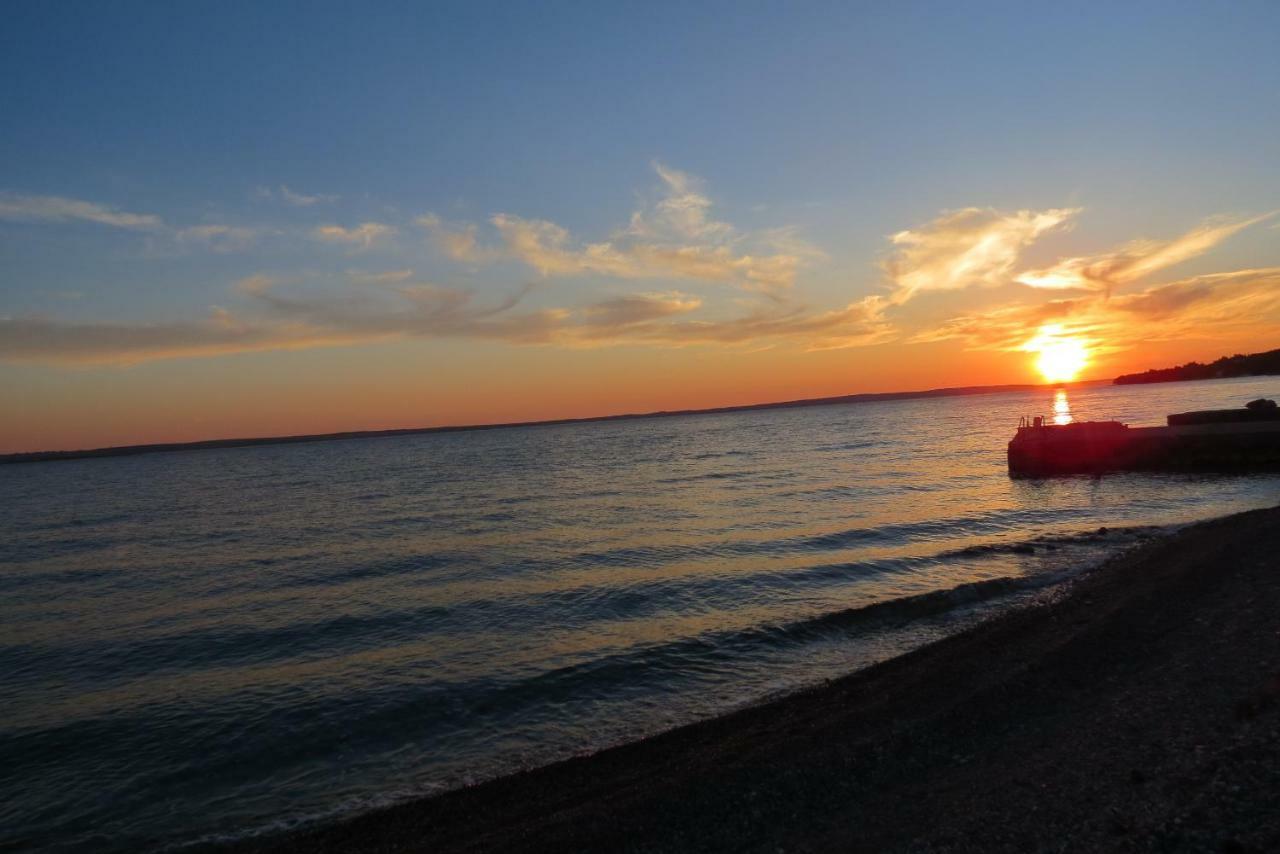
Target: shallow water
x,y
212,643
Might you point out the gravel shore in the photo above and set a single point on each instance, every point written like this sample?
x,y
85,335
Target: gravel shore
x,y
1139,712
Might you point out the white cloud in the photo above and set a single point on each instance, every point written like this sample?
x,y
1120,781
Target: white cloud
x,y
674,237
303,200
21,208
364,236
960,249
291,197
217,237
1135,260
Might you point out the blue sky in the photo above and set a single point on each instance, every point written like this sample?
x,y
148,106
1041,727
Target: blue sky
x,y
839,125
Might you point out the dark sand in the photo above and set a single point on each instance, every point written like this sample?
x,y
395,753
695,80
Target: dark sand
x,y
1140,712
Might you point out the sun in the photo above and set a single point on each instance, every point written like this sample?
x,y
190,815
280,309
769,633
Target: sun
x,y
1061,357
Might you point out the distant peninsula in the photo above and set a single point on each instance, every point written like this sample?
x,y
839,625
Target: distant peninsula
x,y
132,450
1253,365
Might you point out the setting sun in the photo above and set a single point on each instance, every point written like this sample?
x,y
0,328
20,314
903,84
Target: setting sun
x,y
1061,358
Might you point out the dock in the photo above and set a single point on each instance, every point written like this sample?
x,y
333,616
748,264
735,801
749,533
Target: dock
x,y
1226,440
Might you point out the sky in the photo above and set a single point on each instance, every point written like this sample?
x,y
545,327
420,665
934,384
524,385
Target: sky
x,y
243,219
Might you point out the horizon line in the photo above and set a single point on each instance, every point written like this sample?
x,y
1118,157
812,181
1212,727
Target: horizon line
x,y
241,442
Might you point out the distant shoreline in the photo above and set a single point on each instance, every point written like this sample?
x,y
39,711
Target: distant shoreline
x,y
1228,367
211,444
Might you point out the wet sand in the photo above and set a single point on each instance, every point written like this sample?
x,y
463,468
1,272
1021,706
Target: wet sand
x,y
1138,712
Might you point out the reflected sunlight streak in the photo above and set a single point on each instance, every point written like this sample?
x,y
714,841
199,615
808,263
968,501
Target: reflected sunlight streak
x,y
1061,408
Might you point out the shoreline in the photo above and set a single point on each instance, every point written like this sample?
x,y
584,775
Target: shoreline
x,y
1138,710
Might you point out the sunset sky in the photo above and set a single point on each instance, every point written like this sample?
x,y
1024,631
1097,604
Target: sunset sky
x,y
241,219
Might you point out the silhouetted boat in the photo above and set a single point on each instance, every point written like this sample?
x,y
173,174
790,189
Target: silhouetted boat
x,y
1246,439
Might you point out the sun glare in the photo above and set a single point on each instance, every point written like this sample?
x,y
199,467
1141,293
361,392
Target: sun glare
x,y
1061,357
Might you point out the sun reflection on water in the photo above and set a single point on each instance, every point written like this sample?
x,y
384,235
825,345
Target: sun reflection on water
x,y
1061,407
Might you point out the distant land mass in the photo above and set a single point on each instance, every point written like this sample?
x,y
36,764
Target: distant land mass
x,y
132,450
1253,365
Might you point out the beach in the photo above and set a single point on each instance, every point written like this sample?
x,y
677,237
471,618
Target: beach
x,y
1139,710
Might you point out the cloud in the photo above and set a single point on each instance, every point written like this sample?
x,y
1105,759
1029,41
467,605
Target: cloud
x,y
964,248
682,212
20,208
674,237
458,242
548,248
1135,260
634,309
858,324
364,277
1211,306
364,236
218,238
282,321
255,285
302,200
290,197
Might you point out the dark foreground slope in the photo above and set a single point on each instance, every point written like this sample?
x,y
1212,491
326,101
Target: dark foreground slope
x,y
1139,713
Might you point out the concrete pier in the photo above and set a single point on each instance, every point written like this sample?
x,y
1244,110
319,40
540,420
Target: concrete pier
x,y
1221,440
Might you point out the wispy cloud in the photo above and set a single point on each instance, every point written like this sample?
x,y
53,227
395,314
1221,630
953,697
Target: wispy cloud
x,y
858,324
964,248
362,237
291,197
19,208
1137,259
385,277
458,241
683,211
612,315
217,237
281,321
1210,306
674,237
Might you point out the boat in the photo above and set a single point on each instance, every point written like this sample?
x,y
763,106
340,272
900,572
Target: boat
x,y
1236,440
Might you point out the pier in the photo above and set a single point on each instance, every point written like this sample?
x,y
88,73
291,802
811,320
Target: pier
x,y
1232,440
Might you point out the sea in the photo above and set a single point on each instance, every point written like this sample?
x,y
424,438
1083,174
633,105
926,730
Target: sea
x,y
201,646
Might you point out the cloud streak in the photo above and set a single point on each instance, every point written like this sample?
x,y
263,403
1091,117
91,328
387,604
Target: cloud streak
x,y
296,199
399,310
361,238
217,237
1135,260
19,208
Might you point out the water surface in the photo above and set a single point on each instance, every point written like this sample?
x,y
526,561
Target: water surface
x,y
209,643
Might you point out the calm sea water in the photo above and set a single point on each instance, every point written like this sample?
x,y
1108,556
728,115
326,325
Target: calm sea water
x,y
205,644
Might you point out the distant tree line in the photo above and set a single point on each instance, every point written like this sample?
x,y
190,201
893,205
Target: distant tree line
x,y
1253,365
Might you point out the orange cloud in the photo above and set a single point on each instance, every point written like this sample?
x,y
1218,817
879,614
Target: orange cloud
x,y
1209,306
1135,260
